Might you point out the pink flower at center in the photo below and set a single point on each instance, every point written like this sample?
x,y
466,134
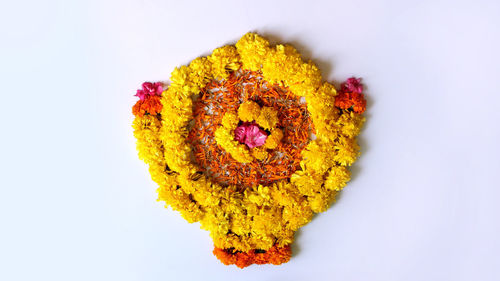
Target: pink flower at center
x,y
250,134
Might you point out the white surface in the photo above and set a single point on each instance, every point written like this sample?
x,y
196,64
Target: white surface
x,y
77,204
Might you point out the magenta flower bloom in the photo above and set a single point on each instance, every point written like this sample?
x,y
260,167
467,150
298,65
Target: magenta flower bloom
x,y
250,134
149,89
240,133
352,85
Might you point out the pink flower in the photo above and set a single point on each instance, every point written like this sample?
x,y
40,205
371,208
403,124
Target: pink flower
x,y
240,133
149,89
352,85
141,94
250,134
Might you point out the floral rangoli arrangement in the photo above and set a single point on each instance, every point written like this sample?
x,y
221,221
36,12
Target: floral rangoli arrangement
x,y
251,143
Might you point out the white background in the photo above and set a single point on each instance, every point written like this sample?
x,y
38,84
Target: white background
x,y
77,204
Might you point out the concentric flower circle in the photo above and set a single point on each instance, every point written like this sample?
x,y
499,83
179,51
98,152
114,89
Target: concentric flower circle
x,y
251,143
224,97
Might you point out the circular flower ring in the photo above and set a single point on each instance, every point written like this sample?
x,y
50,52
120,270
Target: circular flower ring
x,y
250,142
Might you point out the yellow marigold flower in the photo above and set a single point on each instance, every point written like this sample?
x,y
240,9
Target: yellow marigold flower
x,y
179,76
181,82
274,139
253,49
224,138
175,115
350,123
323,112
200,72
320,202
318,157
347,150
224,60
297,215
282,63
179,200
146,130
337,178
307,183
259,153
306,80
230,120
248,111
268,118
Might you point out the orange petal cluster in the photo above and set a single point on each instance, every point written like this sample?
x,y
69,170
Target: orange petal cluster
x,y
151,105
347,100
275,255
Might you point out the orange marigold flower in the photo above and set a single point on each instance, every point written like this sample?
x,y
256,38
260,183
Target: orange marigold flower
x,y
346,100
275,255
150,105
